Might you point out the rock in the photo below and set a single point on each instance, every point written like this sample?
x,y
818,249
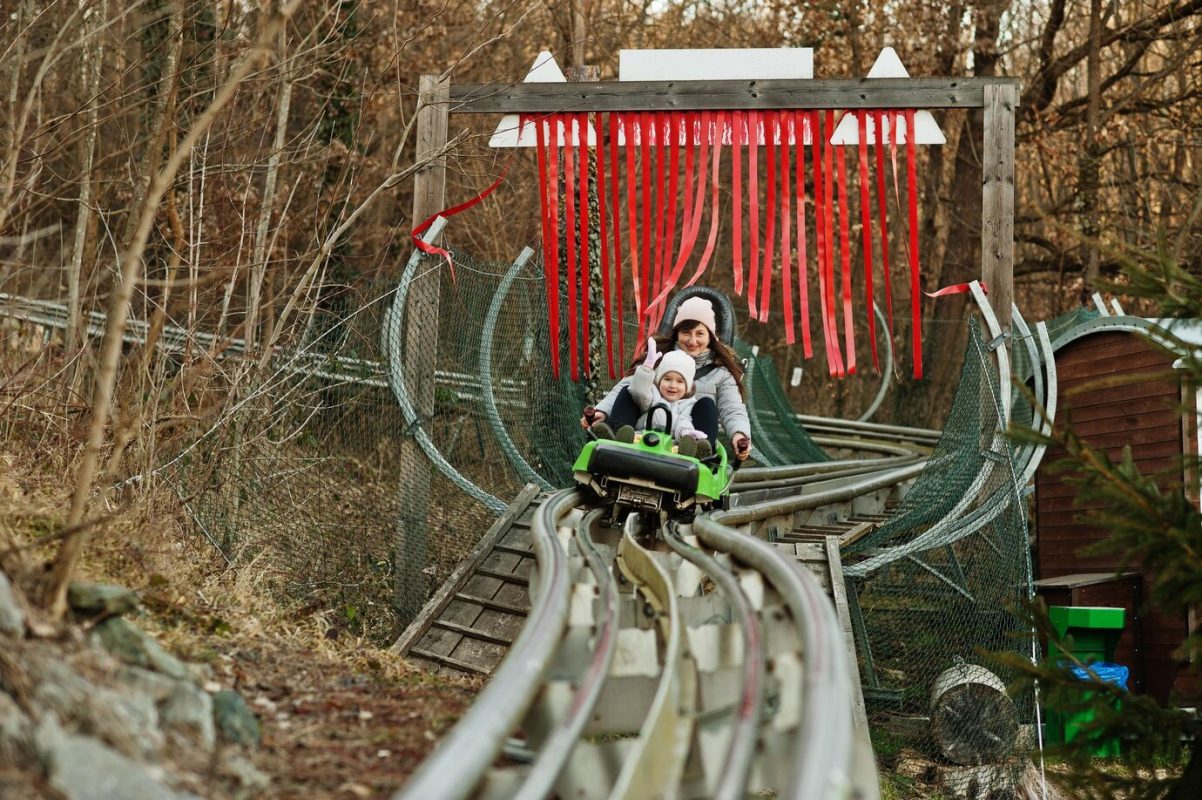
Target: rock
x,y
189,710
96,599
250,781
62,691
82,768
14,732
154,684
128,721
12,618
236,723
127,642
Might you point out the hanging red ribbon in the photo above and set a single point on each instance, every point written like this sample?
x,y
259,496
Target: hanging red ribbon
x,y
955,288
550,270
912,196
629,122
785,125
737,138
434,250
818,152
573,264
882,204
556,123
828,158
603,234
714,131
580,126
645,129
617,228
866,232
845,262
803,121
753,209
768,123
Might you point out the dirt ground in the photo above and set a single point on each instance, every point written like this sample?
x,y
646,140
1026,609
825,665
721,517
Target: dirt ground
x,y
341,718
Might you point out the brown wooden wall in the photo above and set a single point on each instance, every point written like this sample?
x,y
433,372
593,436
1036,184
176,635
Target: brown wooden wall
x,y
1141,414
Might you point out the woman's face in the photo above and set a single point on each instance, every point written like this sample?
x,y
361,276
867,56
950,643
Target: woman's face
x,y
694,340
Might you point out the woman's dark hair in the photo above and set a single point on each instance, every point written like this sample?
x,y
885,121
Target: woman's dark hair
x,y
723,355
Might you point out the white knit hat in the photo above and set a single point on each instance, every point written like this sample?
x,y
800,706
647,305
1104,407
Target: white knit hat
x,y
678,361
698,309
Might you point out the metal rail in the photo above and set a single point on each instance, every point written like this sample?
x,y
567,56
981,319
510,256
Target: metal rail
x,y
466,754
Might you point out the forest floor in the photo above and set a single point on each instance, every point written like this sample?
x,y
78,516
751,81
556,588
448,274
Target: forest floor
x,y
340,717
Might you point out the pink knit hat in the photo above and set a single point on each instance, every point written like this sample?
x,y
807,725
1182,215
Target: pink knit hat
x,y
697,309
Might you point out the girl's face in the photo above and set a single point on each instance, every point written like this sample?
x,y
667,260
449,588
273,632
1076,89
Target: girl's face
x,y
672,386
693,340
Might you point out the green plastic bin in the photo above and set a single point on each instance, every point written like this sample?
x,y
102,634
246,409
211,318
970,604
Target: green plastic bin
x,y
1095,633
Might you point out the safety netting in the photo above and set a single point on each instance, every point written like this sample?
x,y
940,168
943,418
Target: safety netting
x,y
366,461
779,438
939,587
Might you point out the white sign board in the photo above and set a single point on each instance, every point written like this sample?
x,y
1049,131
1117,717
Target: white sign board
x,y
723,64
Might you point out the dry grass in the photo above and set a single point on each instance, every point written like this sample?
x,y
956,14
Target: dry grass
x,y
341,717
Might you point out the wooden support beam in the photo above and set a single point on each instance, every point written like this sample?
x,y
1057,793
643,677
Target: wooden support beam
x,y
499,98
997,202
421,329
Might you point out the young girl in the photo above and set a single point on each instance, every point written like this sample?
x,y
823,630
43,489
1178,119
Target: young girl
x,y
717,380
671,384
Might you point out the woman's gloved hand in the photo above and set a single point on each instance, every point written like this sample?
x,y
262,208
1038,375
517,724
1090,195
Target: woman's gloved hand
x,y
742,446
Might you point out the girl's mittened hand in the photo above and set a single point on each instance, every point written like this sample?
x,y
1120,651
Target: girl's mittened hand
x,y
692,433
652,354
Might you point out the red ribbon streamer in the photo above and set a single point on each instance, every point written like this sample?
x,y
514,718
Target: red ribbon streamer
x,y
645,128
818,151
550,270
771,126
830,201
737,136
753,208
845,262
573,264
912,197
802,122
882,204
617,227
955,288
866,225
715,134
580,125
784,122
434,250
603,233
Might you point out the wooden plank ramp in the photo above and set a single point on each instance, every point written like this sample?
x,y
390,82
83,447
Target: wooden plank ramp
x,y
467,626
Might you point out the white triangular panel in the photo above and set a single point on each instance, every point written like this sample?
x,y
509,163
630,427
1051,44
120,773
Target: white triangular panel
x,y
926,129
888,65
507,134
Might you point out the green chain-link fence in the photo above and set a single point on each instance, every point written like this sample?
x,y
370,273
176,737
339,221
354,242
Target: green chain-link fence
x,y
941,584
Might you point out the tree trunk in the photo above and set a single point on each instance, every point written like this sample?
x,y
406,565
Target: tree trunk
x,y
1089,166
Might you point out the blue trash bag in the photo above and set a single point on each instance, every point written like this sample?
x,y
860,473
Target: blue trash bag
x,y
1115,674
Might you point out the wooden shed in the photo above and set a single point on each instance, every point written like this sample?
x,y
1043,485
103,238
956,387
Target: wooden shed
x,y
1143,414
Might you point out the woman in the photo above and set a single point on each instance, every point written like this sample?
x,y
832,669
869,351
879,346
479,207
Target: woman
x,y
719,387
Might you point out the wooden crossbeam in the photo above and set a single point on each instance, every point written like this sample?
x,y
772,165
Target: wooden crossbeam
x,y
504,98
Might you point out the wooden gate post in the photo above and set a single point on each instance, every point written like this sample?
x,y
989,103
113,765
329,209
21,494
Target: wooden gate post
x,y
421,331
997,201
